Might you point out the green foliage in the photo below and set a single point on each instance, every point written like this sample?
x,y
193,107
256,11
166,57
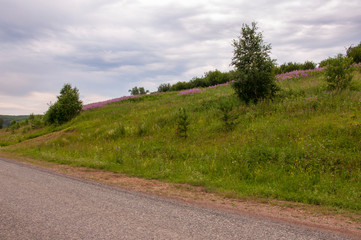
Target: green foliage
x,y
293,66
308,65
1,123
8,118
180,86
138,91
303,146
165,87
36,121
66,107
210,78
354,53
338,73
182,123
255,78
326,62
228,117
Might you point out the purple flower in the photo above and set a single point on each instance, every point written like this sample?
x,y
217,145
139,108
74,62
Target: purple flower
x,y
100,104
191,91
298,73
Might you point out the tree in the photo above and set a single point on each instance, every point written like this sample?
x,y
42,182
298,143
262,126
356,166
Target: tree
x,y
66,107
255,79
182,123
354,53
164,87
1,123
137,91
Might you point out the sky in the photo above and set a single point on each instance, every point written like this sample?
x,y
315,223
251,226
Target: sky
x,y
106,47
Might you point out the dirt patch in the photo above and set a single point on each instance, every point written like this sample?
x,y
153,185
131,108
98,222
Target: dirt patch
x,y
302,214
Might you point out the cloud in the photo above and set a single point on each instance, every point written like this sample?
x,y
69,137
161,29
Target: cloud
x,y
107,47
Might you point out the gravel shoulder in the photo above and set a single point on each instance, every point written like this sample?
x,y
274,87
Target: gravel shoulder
x,y
305,215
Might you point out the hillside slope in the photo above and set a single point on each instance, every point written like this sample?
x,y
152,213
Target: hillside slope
x,y
303,146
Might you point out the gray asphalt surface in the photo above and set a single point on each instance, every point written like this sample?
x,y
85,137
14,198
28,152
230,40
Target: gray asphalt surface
x,y
38,204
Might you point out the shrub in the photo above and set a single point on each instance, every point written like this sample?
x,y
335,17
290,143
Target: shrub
x,y
338,73
182,123
228,119
255,77
180,86
354,53
308,65
165,87
66,107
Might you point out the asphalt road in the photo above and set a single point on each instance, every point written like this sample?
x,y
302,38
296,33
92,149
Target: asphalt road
x,y
39,204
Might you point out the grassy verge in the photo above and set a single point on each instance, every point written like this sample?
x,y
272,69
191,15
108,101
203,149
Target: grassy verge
x,y
304,146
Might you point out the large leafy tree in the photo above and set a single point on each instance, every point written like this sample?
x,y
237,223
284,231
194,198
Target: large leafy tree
x,y
255,79
66,107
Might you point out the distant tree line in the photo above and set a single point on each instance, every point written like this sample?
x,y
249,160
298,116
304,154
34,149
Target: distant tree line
x,y
210,78
294,66
5,120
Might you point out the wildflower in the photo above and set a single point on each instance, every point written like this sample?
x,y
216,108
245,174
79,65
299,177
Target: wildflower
x,y
191,91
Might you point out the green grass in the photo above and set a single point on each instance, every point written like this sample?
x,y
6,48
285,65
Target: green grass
x,y
304,146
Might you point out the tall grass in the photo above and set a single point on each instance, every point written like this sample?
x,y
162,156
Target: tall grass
x,y
303,146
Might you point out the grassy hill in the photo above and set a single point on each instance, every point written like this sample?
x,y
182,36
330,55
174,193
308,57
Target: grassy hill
x,y
304,146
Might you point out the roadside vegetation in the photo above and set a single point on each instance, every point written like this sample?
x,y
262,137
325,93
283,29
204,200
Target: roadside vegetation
x,y
300,141
303,146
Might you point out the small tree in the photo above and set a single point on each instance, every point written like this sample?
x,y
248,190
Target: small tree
x,y
164,87
338,73
1,123
254,76
228,118
182,123
354,53
137,91
66,107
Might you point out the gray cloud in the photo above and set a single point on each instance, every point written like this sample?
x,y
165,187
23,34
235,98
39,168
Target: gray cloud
x,y
107,47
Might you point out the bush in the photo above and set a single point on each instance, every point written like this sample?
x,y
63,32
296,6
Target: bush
x,y
182,123
165,87
255,77
66,107
36,121
354,53
179,86
228,118
338,73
